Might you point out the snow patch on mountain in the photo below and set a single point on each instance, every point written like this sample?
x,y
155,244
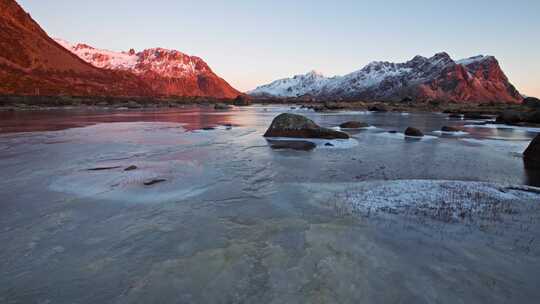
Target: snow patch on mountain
x,y
100,58
167,63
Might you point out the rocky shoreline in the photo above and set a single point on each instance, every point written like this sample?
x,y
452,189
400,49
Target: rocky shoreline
x,y
525,114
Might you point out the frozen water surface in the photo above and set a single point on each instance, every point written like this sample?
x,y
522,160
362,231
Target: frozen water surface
x,y
216,216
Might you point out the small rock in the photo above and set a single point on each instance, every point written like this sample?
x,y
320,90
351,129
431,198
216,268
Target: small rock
x,y
103,168
353,125
208,128
329,144
131,168
378,108
154,181
455,115
410,131
392,131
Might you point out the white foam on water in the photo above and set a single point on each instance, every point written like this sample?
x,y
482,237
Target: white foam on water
x,y
458,133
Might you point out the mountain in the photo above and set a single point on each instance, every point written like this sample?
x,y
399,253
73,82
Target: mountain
x,y
475,79
167,72
32,63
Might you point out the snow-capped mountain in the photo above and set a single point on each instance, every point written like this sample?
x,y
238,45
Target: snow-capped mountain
x,y
168,72
475,79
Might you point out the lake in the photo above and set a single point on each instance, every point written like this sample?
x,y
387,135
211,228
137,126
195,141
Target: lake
x,y
212,214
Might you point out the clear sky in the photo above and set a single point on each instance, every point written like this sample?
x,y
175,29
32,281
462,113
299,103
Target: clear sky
x,y
250,43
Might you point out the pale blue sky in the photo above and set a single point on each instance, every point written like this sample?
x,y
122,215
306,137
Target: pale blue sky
x,y
250,43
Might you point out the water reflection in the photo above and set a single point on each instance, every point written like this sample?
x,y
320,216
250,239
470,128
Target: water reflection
x,y
32,121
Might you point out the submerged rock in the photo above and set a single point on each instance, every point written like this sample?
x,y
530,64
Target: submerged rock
x,y
532,154
450,129
300,145
103,168
154,181
131,168
298,126
410,131
455,115
353,125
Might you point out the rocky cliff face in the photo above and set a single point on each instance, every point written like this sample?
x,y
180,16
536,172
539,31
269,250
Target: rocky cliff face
x,y
475,79
31,63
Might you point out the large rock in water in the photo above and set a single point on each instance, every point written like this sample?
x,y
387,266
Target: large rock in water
x,y
298,126
532,154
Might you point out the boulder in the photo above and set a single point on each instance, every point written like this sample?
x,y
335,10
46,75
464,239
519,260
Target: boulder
x,y
242,100
378,108
298,126
450,129
300,145
410,131
531,155
353,125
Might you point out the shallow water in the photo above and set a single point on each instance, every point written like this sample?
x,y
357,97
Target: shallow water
x,y
235,221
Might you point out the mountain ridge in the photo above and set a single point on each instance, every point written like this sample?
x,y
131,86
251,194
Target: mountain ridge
x,y
474,79
32,63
